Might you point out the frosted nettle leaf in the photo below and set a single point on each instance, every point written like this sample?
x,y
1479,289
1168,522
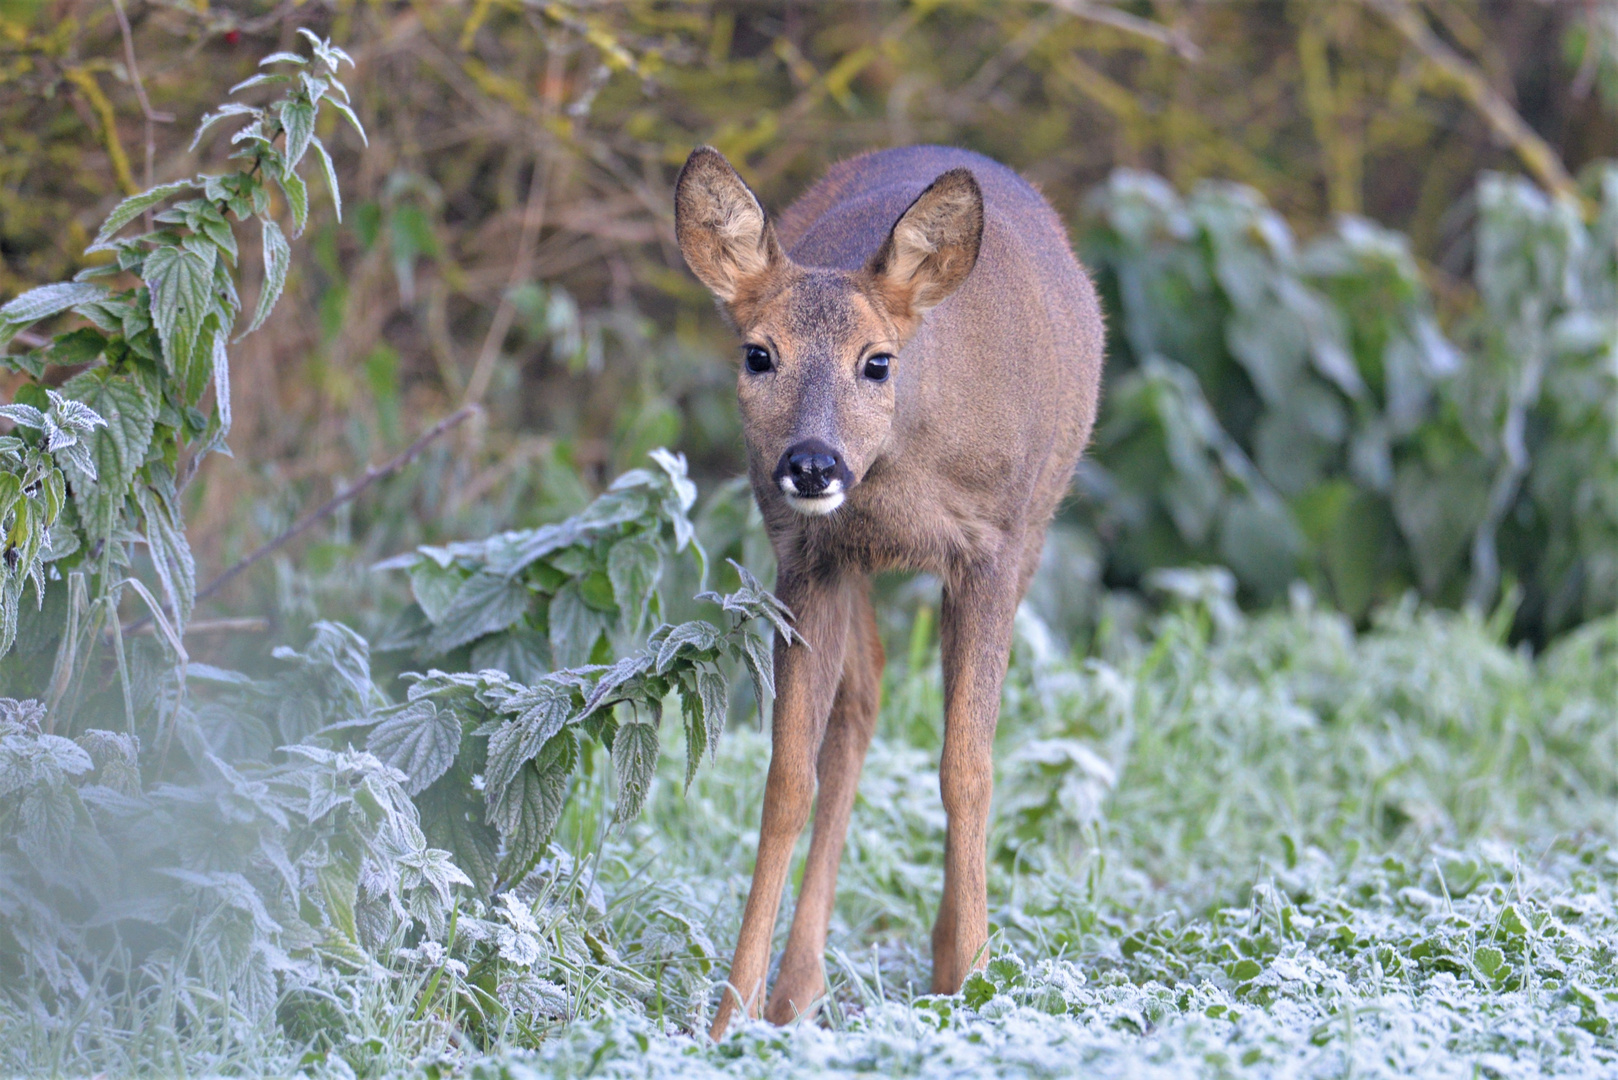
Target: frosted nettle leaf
x,y
43,302
613,679
753,652
694,636
541,712
180,279
330,173
224,112
277,259
715,697
118,450
169,549
348,114
634,566
528,810
283,58
47,818
421,741
131,208
263,78
482,604
575,627
298,120
634,759
26,415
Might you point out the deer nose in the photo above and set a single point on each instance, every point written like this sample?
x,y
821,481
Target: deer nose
x,y
811,467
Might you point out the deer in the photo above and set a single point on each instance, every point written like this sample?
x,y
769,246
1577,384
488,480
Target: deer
x,y
919,372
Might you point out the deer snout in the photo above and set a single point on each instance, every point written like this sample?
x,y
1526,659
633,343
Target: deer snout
x,y
813,477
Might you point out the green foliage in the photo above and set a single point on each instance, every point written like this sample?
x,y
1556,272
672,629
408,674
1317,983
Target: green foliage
x,y
558,595
1283,409
123,436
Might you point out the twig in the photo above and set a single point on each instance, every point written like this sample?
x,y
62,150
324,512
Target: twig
x,y
533,218
140,95
1534,151
330,506
1107,15
252,625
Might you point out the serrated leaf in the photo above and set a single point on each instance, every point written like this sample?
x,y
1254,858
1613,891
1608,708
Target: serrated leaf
x,y
715,697
574,627
224,112
43,302
614,678
118,450
545,708
297,194
482,604
133,207
634,566
760,662
528,811
348,114
421,741
452,817
180,279
263,78
330,172
283,58
170,551
693,636
298,121
277,259
634,758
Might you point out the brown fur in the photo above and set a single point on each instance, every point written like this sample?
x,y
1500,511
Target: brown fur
x,y
958,269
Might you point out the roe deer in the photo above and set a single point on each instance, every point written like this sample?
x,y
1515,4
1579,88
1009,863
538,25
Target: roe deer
x,y
920,364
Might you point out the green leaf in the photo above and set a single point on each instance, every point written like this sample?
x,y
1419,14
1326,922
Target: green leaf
x,y
277,259
43,302
545,708
348,114
574,627
263,78
421,741
330,172
118,450
169,549
634,759
634,566
715,698
133,207
180,279
225,111
483,604
694,636
529,809
298,120
452,818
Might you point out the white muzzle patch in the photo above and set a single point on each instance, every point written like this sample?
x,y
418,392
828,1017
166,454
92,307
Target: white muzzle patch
x,y
813,505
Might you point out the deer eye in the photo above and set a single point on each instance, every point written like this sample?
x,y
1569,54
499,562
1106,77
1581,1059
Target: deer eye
x,y
758,359
876,367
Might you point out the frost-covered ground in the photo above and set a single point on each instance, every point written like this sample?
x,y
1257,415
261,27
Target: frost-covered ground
x,y
1272,849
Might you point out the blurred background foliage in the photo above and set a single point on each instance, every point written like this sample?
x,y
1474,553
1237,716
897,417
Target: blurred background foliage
x,y
1359,259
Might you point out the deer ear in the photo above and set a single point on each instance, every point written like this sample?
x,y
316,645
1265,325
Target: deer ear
x,y
933,245
723,232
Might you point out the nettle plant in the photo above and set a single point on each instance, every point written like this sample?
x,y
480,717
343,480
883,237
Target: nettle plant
x,y
561,595
98,464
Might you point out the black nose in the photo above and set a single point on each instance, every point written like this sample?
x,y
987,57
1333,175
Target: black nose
x,y
812,471
812,465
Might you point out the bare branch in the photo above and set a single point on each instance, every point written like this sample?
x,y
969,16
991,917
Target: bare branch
x,y
1107,15
1470,83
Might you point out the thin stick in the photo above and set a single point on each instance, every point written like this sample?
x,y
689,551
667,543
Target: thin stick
x,y
372,475
1507,123
140,95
